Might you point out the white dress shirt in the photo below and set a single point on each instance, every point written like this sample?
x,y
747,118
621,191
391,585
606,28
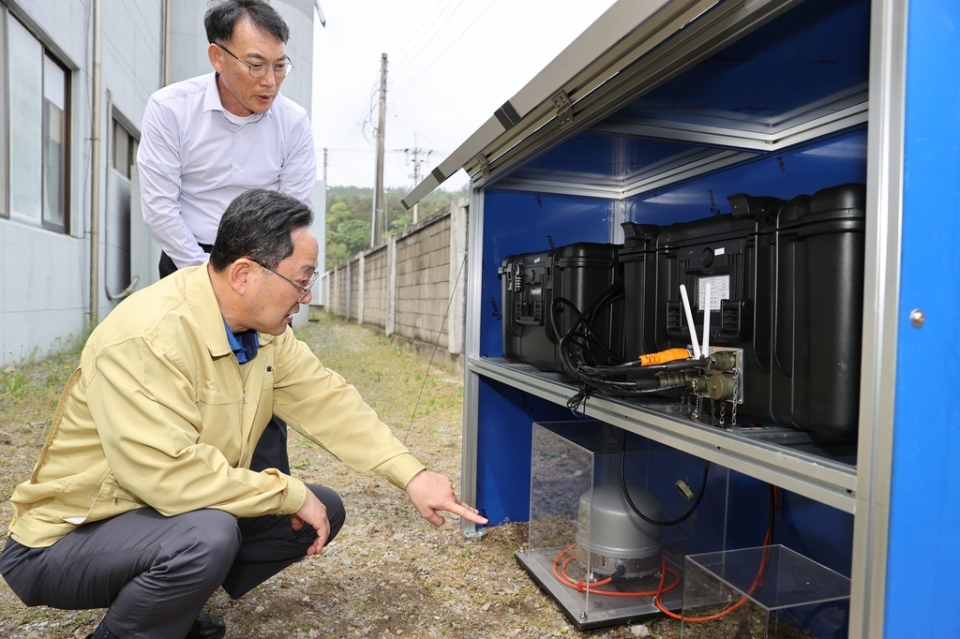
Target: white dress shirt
x,y
195,158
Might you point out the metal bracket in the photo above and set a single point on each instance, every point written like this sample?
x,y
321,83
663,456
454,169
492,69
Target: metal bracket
x,y
484,165
564,108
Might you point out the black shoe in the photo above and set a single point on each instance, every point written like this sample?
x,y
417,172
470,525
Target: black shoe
x,y
207,627
102,632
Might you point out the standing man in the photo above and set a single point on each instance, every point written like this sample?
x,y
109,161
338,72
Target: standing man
x,y
208,139
142,500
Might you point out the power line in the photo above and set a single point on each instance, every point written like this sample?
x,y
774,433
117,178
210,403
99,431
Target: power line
x,y
450,46
422,30
397,115
400,71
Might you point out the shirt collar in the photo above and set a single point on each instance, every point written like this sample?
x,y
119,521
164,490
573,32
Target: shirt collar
x,y
244,345
211,99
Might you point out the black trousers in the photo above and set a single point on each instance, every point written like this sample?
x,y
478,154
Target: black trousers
x,y
271,450
155,573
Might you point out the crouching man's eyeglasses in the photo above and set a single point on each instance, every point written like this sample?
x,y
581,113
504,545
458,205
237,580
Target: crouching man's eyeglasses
x,y
303,285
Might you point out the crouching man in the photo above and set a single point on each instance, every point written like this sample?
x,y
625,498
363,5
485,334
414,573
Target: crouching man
x,y
142,500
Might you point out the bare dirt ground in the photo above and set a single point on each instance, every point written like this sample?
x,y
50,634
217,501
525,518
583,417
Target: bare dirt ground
x,y
389,573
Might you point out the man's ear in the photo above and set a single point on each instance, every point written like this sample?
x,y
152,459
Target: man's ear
x,y
238,275
216,57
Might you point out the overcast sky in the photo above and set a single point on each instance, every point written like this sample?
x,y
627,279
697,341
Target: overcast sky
x,y
451,64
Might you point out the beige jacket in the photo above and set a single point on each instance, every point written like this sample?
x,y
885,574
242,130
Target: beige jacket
x,y
161,414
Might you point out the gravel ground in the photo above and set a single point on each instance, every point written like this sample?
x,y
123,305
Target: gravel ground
x,y
389,573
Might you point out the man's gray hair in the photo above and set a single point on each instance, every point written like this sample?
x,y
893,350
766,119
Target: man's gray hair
x,y
258,225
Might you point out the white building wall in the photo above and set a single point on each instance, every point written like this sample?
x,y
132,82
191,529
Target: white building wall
x,y
44,288
42,291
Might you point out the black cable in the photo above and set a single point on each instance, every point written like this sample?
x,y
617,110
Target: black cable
x,y
636,368
633,506
585,358
592,349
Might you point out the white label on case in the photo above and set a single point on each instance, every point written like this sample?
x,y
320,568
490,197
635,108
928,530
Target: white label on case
x,y
719,290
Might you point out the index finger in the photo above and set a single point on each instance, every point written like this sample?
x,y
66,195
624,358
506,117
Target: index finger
x,y
467,512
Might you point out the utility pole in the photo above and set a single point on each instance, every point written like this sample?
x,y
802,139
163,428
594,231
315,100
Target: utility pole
x,y
416,151
416,175
378,205
324,167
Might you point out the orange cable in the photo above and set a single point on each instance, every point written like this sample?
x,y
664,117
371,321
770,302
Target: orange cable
x,y
562,576
662,357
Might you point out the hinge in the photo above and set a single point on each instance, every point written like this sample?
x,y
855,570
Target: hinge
x,y
564,108
484,165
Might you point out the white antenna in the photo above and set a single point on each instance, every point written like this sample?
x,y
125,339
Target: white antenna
x,y
693,328
706,318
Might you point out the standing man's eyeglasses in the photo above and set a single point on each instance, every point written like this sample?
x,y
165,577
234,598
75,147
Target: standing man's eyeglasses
x,y
258,69
303,285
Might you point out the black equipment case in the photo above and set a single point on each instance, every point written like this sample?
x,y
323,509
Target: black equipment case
x,y
817,340
532,283
736,253
787,289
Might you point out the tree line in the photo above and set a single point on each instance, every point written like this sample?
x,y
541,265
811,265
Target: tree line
x,y
350,210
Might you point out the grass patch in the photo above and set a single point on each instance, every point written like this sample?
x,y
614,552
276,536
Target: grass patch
x,y
29,389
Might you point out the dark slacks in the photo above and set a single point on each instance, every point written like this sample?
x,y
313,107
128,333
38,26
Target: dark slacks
x,y
155,573
271,450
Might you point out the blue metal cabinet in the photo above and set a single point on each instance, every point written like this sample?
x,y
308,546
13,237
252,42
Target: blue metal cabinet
x,y
655,115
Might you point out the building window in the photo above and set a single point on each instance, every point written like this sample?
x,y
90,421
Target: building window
x,y
4,147
38,133
55,144
124,149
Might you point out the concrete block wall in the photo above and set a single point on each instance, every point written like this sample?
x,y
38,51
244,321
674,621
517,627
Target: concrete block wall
x,y
375,280
355,293
413,287
423,287
340,290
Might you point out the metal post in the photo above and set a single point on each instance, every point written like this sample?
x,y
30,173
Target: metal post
x,y
95,165
378,207
416,176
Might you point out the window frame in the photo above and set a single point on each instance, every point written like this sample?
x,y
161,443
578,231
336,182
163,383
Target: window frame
x,y
63,227
4,117
47,55
133,142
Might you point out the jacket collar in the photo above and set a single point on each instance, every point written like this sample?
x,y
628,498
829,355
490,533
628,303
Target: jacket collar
x,y
203,302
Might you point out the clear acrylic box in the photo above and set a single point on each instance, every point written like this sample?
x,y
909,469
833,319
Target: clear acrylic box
x,y
581,533
767,592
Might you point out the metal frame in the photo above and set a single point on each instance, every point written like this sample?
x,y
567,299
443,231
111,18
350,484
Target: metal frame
x,y
863,490
625,24
823,480
700,38
739,139
622,189
471,380
881,293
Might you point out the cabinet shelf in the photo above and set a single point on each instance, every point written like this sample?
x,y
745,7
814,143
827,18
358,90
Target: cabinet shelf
x,y
794,460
